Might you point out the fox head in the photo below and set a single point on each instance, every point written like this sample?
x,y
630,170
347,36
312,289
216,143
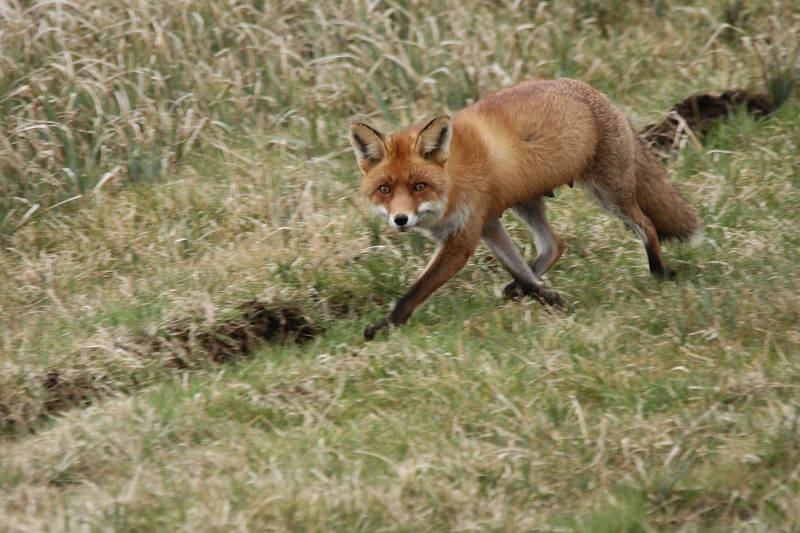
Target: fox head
x,y
404,174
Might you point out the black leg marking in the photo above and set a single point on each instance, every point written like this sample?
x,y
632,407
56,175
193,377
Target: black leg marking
x,y
657,265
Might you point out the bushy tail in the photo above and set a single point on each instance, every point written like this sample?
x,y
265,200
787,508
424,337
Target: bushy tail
x,y
673,216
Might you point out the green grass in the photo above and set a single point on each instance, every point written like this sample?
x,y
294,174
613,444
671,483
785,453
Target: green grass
x,y
653,407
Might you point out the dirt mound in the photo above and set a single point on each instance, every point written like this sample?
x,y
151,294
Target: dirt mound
x,y
54,390
257,324
181,345
699,112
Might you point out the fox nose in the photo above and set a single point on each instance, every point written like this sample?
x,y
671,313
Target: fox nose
x,y
401,220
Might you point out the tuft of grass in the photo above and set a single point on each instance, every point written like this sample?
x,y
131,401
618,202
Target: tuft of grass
x,y
777,53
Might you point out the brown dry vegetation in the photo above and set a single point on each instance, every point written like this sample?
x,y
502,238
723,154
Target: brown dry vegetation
x,y
178,205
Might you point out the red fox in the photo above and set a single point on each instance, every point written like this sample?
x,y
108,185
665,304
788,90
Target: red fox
x,y
454,178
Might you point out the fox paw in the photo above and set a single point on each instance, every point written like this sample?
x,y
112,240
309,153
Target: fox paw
x,y
372,329
515,292
665,273
554,299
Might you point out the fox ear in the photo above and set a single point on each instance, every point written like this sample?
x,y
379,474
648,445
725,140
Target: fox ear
x,y
368,144
433,142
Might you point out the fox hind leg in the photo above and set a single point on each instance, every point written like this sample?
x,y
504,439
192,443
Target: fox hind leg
x,y
548,246
646,230
618,198
621,203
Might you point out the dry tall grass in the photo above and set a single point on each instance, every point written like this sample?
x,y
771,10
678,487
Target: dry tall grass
x,y
95,89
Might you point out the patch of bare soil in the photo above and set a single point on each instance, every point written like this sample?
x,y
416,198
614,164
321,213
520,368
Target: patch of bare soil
x,y
45,393
259,323
24,406
698,113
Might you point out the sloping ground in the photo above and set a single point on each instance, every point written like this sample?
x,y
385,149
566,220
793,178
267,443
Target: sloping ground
x,y
641,410
184,343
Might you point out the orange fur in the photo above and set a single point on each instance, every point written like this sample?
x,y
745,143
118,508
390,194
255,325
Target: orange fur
x,y
454,178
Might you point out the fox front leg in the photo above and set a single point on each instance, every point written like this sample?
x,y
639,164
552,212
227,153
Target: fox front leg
x,y
447,261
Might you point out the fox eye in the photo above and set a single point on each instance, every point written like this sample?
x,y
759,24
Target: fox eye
x,y
384,189
419,187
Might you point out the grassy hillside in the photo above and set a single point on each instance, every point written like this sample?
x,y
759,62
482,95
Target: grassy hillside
x,y
186,269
